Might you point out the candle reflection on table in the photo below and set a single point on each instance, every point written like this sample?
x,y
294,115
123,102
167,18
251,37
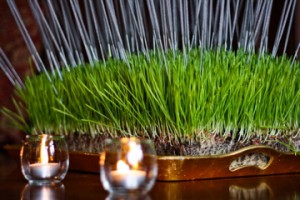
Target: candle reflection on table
x,y
261,191
45,192
132,196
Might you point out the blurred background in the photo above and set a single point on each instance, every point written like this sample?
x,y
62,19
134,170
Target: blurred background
x,y
13,45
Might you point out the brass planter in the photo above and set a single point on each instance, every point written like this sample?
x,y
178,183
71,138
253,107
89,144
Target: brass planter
x,y
173,168
178,168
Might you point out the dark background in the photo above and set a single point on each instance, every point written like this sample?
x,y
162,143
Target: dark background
x,y
13,45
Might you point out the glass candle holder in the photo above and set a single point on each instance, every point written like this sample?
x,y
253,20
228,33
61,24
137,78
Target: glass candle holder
x,y
44,158
128,165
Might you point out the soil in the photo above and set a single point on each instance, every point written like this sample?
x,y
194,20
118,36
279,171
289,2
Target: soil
x,y
214,145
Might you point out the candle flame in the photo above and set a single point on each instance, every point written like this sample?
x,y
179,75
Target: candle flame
x,y
44,159
133,157
135,154
122,166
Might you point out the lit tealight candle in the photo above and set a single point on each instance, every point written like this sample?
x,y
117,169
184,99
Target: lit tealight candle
x,y
44,170
130,179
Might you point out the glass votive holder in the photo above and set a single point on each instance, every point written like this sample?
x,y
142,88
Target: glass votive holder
x,y
44,158
128,165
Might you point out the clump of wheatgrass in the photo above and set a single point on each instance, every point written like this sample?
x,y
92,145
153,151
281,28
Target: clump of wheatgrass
x,y
173,98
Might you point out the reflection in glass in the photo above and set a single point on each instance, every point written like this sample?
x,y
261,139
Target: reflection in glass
x,y
50,191
262,191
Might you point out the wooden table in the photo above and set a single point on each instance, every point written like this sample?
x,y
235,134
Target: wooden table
x,y
86,186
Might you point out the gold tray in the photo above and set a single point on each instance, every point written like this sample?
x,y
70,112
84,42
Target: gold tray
x,y
177,168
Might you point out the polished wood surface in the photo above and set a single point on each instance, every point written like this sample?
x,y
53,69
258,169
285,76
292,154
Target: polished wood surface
x,y
86,186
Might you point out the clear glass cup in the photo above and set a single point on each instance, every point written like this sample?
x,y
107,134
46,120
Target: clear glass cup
x,y
128,165
44,158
